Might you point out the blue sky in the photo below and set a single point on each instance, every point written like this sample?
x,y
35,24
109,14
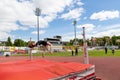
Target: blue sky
x,y
99,17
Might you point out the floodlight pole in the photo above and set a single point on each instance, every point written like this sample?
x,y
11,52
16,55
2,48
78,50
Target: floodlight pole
x,y
38,12
74,23
76,49
86,58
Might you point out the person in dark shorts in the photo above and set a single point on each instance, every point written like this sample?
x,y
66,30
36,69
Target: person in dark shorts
x,y
106,50
44,44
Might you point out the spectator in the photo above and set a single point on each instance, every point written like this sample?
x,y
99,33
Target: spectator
x,y
76,51
72,52
113,49
106,50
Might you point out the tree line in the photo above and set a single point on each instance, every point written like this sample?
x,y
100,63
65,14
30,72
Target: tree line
x,y
17,42
94,41
97,41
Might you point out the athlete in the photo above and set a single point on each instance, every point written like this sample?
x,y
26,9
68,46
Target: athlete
x,y
44,44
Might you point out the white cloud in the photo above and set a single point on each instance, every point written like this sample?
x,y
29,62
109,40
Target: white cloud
x,y
79,3
107,33
3,35
23,28
73,14
101,31
111,29
40,32
105,15
7,27
92,30
52,6
88,27
85,18
68,36
12,11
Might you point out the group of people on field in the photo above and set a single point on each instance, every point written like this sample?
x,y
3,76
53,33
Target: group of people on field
x,y
112,49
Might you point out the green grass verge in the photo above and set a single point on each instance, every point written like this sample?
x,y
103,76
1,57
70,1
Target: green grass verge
x,y
102,53
47,54
94,53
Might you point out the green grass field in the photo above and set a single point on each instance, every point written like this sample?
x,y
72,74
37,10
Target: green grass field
x,y
102,53
96,53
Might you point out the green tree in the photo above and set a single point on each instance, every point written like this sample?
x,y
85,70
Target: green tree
x,y
9,43
80,42
88,42
0,44
71,42
113,39
106,39
20,42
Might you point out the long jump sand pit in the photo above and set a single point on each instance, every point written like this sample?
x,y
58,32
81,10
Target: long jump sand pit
x,y
107,68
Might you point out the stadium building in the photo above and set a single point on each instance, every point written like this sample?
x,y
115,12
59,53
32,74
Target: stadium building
x,y
56,42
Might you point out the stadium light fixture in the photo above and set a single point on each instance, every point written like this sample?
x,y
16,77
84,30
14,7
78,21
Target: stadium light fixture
x,y
37,13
